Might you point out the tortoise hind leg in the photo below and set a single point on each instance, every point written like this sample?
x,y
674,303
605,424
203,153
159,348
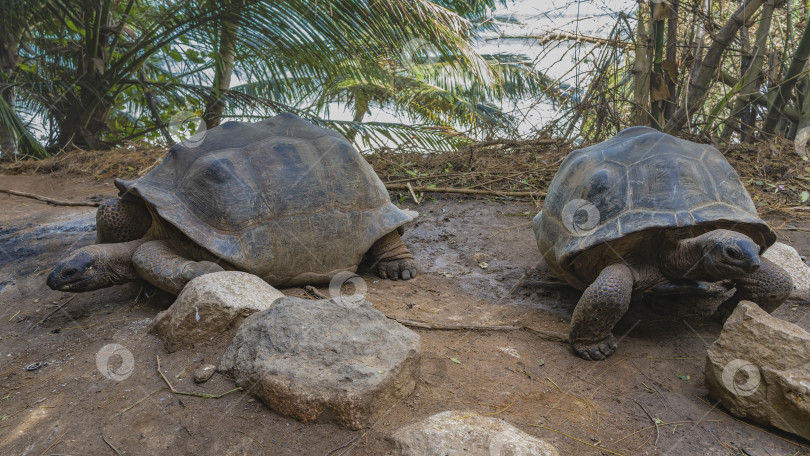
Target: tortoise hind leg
x,y
392,259
159,264
599,309
769,286
120,220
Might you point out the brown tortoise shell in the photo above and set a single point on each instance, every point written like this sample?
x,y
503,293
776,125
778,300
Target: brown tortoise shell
x,y
282,199
625,188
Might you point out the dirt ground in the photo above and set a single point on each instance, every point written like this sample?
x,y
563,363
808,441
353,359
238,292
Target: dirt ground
x,y
479,266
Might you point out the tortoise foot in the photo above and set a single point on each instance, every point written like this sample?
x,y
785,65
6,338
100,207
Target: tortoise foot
x,y
397,269
198,268
597,351
723,312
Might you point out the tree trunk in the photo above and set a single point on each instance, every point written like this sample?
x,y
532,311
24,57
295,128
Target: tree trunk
x,y
671,65
699,86
150,104
785,88
658,87
8,61
751,78
803,128
8,141
700,37
360,110
641,69
224,71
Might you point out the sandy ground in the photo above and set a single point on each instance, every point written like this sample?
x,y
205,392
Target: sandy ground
x,y
479,266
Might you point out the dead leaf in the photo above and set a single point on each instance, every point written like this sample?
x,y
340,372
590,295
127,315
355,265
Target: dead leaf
x,y
670,68
658,88
660,10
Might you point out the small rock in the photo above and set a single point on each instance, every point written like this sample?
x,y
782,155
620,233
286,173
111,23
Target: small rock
x,y
331,360
203,373
209,305
465,433
759,369
787,257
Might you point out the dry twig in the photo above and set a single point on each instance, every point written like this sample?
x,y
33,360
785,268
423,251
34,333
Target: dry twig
x,y
50,200
203,395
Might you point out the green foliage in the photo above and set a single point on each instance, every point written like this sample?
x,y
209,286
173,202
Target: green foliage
x,y
95,72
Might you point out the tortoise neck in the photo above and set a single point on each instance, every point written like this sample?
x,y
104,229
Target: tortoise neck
x,y
119,259
685,260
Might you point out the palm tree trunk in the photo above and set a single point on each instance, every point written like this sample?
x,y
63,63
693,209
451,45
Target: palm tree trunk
x,y
784,90
150,104
224,71
699,85
360,110
8,56
751,77
641,70
8,143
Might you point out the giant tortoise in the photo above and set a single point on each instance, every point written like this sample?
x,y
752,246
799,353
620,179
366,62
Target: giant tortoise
x,y
645,211
283,199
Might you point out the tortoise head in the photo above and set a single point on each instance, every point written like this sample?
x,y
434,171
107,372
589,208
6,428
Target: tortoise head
x,y
728,255
92,267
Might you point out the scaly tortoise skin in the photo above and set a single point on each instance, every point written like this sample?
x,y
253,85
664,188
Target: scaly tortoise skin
x,y
645,211
283,199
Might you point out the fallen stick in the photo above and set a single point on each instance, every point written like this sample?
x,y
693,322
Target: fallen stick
x,y
553,337
103,437
50,200
55,310
654,422
204,395
467,191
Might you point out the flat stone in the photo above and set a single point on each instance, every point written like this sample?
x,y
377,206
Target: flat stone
x,y
209,305
331,360
466,433
759,369
204,373
790,260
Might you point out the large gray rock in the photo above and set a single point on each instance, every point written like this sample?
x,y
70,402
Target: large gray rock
x,y
759,369
330,360
209,305
466,433
790,260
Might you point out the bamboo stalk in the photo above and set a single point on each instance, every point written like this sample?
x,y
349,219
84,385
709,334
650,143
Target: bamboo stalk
x,y
785,89
657,85
752,74
671,58
699,85
641,70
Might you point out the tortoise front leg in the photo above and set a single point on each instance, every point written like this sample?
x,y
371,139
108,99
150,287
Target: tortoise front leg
x,y
599,309
159,264
769,286
392,259
120,220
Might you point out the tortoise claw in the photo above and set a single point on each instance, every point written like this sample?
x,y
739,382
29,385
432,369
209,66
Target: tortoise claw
x,y
597,351
396,269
